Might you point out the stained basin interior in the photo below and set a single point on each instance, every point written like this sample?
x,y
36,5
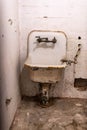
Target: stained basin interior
x,y
30,64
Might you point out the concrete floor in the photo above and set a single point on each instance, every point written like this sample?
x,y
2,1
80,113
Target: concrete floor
x,y
64,114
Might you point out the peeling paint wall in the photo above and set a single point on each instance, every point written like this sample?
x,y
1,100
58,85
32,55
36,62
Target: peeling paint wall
x,y
69,16
9,62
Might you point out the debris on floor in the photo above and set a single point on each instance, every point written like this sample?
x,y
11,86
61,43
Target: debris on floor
x,y
64,114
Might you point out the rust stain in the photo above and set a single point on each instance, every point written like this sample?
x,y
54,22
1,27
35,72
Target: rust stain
x,y
47,67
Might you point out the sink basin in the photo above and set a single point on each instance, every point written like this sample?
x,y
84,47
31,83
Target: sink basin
x,y
44,57
46,74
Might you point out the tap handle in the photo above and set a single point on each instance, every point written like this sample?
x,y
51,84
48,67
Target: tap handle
x,y
45,39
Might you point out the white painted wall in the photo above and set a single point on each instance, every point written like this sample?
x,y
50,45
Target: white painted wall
x,y
9,61
69,16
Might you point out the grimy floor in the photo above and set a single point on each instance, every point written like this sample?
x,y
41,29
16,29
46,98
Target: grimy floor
x,y
64,114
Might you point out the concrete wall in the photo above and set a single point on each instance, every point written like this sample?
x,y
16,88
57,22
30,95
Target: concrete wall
x,y
69,16
9,62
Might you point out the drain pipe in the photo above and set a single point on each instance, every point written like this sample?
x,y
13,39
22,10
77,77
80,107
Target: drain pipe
x,y
44,94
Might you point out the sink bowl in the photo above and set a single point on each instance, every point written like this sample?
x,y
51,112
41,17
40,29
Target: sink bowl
x,y
46,74
45,51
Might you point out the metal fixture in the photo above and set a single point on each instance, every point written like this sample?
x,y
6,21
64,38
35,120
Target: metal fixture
x,y
69,62
78,52
45,39
44,94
